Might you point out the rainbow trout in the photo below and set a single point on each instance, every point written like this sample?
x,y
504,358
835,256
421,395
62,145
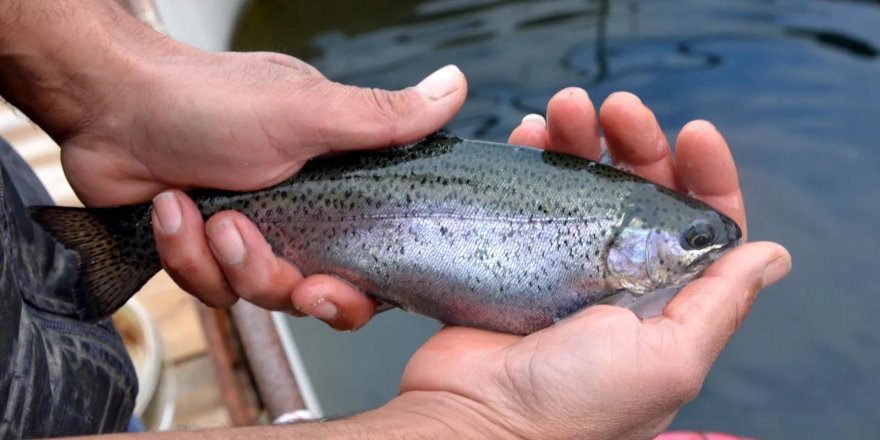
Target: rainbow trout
x,y
471,233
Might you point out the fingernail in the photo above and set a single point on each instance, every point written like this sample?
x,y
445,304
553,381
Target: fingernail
x,y
577,92
534,118
441,83
168,212
626,95
226,242
700,124
324,310
776,270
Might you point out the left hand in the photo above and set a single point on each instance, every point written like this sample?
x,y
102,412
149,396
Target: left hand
x,y
186,118
235,121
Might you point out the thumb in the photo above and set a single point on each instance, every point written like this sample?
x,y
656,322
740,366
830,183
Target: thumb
x,y
344,117
710,309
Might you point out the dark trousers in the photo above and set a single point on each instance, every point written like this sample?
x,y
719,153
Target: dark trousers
x,y
58,376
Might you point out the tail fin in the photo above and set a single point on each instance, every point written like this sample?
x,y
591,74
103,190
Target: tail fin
x,y
115,250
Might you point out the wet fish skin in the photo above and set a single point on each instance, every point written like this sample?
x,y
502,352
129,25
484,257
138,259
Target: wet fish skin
x,y
471,233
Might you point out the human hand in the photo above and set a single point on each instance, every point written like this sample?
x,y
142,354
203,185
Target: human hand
x,y
603,373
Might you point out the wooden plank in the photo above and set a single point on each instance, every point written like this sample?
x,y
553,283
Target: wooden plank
x,y
198,396
174,312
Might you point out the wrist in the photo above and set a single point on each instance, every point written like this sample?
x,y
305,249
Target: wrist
x,y
413,415
64,61
441,415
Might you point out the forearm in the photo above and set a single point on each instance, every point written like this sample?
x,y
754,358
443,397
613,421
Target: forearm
x,y
411,416
60,56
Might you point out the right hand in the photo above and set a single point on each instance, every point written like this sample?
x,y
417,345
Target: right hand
x,y
601,373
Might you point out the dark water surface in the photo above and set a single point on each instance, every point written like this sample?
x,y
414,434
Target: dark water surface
x,y
793,86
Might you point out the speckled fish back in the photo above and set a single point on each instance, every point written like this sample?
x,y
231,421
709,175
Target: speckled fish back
x,y
472,233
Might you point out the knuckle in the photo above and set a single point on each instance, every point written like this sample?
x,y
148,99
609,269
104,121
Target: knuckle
x,y
251,279
250,292
257,286
387,105
287,61
182,263
211,292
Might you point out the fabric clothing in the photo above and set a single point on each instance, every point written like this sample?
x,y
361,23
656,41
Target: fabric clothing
x,y
58,376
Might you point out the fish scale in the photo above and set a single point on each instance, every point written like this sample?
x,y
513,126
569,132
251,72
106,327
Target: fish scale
x,y
472,233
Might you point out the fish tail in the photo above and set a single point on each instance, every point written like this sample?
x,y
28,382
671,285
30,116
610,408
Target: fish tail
x,y
115,250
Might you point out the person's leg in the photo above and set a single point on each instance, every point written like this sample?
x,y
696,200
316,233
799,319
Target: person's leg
x,y
59,376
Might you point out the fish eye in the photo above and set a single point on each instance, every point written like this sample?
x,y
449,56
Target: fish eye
x,y
698,235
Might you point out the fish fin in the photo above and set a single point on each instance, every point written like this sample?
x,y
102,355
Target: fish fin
x,y
114,248
621,299
645,305
652,303
384,307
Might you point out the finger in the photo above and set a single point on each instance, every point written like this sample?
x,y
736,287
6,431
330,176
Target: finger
x,y
256,274
531,132
708,310
705,168
572,123
253,271
334,301
635,139
183,249
345,117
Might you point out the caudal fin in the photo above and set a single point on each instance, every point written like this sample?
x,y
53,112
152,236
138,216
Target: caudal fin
x,y
115,250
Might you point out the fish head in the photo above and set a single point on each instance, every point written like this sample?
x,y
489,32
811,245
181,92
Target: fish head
x,y
678,255
666,242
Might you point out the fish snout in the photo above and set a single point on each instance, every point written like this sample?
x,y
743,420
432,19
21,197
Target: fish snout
x,y
734,233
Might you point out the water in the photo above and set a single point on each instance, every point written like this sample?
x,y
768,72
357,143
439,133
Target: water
x,y
793,86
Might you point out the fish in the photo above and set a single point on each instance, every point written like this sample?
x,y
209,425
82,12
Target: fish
x,y
471,233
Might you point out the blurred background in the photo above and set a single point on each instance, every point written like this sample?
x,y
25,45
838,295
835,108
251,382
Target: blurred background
x,y
791,83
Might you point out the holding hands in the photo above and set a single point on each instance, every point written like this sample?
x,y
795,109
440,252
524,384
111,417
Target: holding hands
x,y
602,373
156,115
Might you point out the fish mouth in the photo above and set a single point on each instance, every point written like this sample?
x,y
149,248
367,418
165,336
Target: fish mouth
x,y
734,238
711,256
706,259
